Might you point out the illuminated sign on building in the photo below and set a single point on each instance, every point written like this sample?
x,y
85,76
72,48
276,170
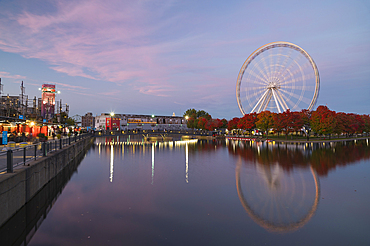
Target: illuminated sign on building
x,y
112,123
48,101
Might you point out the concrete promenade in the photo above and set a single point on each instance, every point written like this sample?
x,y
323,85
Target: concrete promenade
x,y
17,188
295,141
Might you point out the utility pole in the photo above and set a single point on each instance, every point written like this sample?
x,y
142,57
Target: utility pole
x,y
22,99
60,106
67,109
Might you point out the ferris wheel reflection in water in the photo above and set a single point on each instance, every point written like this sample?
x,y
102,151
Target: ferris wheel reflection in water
x,y
277,199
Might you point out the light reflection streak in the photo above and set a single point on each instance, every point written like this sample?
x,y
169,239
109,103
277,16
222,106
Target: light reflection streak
x,y
186,164
135,146
111,163
123,151
152,163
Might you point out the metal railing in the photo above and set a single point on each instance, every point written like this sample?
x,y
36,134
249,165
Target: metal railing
x,y
12,157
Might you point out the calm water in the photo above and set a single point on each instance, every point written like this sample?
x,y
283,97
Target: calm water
x,y
213,193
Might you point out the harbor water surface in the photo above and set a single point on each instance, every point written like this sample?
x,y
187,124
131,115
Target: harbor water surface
x,y
189,192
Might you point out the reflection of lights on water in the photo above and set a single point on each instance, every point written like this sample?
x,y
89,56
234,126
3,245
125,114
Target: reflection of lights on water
x,y
152,163
186,164
258,149
111,163
168,144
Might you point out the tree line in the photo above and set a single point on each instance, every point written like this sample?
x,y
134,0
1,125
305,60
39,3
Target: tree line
x,y
199,119
321,121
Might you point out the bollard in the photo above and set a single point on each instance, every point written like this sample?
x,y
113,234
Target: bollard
x,y
35,151
44,151
9,160
69,140
24,155
60,144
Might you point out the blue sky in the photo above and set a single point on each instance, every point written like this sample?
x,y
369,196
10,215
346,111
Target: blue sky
x,y
160,57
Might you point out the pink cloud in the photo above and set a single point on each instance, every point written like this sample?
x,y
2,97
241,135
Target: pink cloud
x,y
68,86
154,91
106,38
11,76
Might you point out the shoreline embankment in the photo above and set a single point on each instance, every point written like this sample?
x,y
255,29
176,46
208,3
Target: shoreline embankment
x,y
17,188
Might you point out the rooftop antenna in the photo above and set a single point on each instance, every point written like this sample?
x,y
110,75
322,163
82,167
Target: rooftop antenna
x,y
1,88
22,97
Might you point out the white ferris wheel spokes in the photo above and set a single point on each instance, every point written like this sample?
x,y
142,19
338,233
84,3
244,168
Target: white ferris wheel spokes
x,y
278,76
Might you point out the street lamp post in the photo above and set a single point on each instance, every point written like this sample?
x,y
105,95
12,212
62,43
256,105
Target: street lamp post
x,y
111,121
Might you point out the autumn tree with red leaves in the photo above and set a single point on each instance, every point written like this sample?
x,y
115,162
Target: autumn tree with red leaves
x,y
265,121
279,125
233,124
297,122
323,121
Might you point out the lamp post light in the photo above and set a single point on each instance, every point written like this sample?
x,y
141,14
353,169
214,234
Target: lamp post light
x,y
111,120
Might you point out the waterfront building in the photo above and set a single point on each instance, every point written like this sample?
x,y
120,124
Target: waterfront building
x,y
48,101
88,120
139,122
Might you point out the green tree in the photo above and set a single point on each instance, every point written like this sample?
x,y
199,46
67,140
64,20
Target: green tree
x,y
194,116
70,122
224,123
191,113
192,123
204,114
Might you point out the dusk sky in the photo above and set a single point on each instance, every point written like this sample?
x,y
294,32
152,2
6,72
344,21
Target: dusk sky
x,y
163,57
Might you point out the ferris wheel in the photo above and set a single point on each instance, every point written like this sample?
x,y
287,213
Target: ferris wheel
x,y
276,77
